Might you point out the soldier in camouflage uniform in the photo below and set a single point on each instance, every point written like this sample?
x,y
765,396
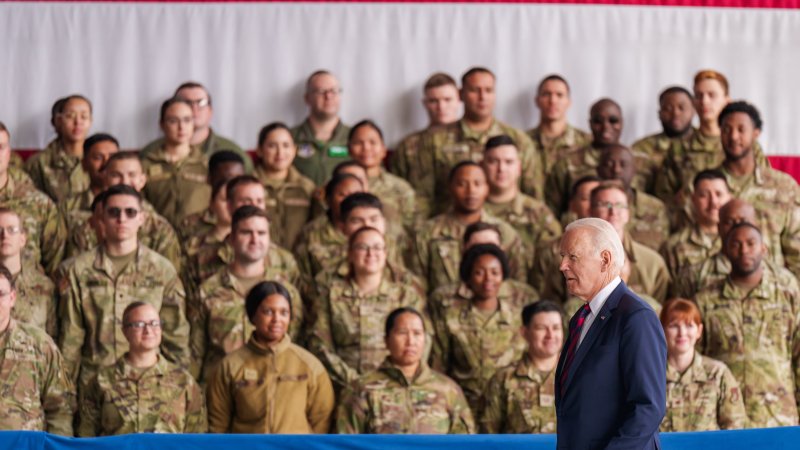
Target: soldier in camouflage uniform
x,y
442,103
465,140
219,322
695,243
774,194
404,395
554,136
288,192
648,224
752,323
349,312
439,243
531,218
57,169
367,148
702,394
142,392
95,287
605,119
37,293
203,136
96,151
176,171
478,335
37,394
521,397
322,138
44,226
675,113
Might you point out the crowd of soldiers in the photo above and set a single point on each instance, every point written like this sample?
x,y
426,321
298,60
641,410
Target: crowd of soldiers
x,y
325,286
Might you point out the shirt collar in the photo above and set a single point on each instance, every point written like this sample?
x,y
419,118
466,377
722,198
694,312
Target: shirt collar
x,y
597,302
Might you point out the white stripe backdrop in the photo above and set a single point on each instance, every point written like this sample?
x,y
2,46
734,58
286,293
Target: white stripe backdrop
x,y
254,57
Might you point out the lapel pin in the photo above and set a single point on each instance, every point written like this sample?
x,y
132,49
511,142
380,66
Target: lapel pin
x,y
602,317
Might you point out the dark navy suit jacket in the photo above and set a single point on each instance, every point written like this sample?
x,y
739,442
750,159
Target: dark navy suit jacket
x,y
615,393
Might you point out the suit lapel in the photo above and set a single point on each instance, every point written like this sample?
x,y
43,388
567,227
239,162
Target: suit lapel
x,y
603,318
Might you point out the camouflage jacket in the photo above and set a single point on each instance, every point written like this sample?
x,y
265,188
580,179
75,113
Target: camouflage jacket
x,y
553,149
316,159
211,145
398,198
57,173
688,247
176,189
36,299
288,205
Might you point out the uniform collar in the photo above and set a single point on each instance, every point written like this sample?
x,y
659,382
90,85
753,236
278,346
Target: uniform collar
x,y
263,349
526,369
420,377
128,371
469,133
762,291
102,262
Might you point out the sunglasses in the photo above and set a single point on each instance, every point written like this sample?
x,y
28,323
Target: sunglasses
x,y
116,213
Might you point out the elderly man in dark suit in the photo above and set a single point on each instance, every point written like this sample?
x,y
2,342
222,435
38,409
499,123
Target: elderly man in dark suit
x,y
611,378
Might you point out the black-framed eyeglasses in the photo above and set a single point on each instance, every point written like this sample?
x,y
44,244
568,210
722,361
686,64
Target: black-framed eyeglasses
x,y
142,324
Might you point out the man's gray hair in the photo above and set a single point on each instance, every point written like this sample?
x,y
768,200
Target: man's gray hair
x,y
604,237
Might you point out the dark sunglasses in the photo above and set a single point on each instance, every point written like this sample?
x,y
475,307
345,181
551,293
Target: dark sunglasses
x,y
116,213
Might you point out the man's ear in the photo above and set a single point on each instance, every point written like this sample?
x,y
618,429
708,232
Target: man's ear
x,y
605,258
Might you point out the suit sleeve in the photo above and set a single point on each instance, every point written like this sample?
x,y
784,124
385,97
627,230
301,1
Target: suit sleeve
x,y
643,360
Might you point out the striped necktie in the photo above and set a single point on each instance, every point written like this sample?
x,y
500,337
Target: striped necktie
x,y
574,337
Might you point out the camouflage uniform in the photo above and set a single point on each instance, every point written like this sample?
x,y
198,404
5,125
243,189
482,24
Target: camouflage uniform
x,y
43,224
648,157
57,173
36,299
545,275
414,165
78,201
270,389
440,243
347,327
553,149
648,223
176,189
220,324
520,399
532,220
37,394
705,397
776,197
688,247
450,144
572,166
471,346
398,198
156,233
288,205
384,401
316,159
93,298
211,145
757,334
444,297
694,277
123,399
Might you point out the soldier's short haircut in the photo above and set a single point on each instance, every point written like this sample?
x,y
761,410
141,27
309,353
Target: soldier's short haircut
x,y
122,189
97,138
336,181
471,257
61,104
607,185
577,185
122,156
169,102
681,310
221,157
5,273
709,174
392,318
741,107
359,200
311,77
128,309
532,309
735,227
245,212
7,210
460,165
3,127
337,170
269,128
552,77
193,85
477,227
709,74
439,79
260,292
352,239
499,141
240,180
475,70
364,123
674,90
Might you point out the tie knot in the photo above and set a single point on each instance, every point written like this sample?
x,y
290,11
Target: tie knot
x,y
585,310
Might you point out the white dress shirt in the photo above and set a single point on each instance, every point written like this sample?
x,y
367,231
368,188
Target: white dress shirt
x,y
596,304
